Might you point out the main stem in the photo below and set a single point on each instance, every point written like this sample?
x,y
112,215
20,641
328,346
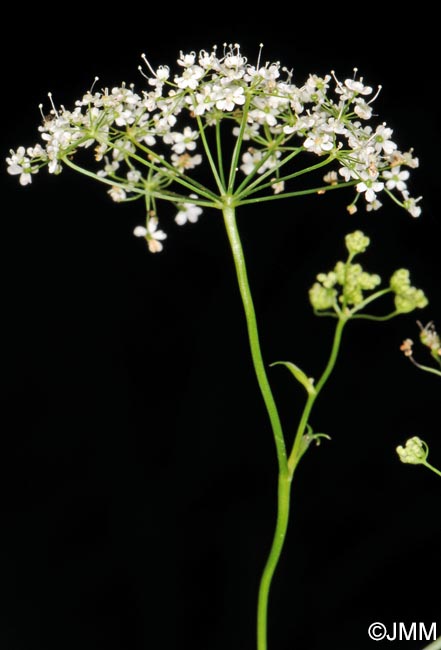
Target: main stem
x,y
253,334
265,389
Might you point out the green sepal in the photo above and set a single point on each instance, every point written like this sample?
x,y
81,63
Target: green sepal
x,y
306,382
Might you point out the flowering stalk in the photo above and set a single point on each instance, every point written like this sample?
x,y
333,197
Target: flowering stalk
x,y
345,303
416,450
284,475
142,152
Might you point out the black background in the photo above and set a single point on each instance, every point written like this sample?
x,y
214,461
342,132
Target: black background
x,y
137,467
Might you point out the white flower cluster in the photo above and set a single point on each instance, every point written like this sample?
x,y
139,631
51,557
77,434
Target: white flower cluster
x,y
145,141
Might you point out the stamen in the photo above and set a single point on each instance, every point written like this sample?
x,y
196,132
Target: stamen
x,y
146,61
93,85
142,72
336,80
376,94
52,104
259,55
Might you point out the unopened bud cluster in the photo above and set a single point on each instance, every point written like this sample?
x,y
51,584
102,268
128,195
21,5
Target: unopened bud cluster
x,y
347,283
407,297
414,452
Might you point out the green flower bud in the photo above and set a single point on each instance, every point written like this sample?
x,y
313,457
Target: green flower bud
x,y
352,294
400,281
357,242
340,270
369,281
322,298
356,282
328,280
412,299
414,452
407,297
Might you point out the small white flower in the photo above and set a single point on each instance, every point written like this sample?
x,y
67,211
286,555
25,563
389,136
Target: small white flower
x,y
411,204
362,109
117,194
250,160
234,60
185,161
369,187
374,205
109,168
25,177
382,139
358,86
278,187
185,140
187,60
331,178
151,234
188,212
396,179
229,97
251,131
54,167
348,174
162,73
124,117
134,175
190,77
207,59
319,143
204,99
19,164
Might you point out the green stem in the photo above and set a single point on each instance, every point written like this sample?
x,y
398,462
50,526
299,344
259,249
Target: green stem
x,y
431,467
220,162
434,371
296,451
285,195
238,146
376,318
207,150
259,185
265,389
283,502
371,298
253,334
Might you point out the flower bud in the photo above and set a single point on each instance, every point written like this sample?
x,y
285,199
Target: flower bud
x,y
400,281
407,297
322,298
356,242
414,452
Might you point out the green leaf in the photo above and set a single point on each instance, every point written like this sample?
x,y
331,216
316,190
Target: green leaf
x,y
306,382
